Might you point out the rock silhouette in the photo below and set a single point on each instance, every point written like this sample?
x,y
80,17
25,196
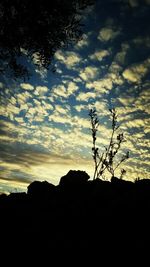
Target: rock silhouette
x,y
78,215
74,178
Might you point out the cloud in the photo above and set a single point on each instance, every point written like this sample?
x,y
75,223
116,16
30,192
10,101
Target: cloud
x,y
142,102
72,88
47,106
101,86
38,118
41,90
107,33
19,120
59,90
32,110
89,73
69,59
54,139
121,55
13,100
41,111
30,165
37,102
37,113
67,119
27,86
99,55
81,107
77,80
12,132
55,117
23,108
8,186
81,122
66,90
101,107
85,96
22,98
36,58
136,123
1,85
137,165
136,72
127,100
132,120
9,111
61,110
83,42
59,70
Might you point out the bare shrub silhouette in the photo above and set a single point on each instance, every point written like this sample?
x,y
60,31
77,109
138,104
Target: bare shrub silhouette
x,y
106,161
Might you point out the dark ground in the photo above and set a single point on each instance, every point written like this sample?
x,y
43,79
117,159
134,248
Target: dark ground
x,y
77,217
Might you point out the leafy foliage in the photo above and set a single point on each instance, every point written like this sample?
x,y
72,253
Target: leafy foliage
x,y
29,28
105,161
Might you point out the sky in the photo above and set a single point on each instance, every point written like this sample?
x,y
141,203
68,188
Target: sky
x,y
44,121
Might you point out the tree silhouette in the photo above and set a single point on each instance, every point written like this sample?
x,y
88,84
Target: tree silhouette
x,y
105,161
38,30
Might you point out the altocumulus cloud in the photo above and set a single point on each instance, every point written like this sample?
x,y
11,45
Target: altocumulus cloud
x,y
27,86
136,72
89,73
99,55
40,90
107,33
69,59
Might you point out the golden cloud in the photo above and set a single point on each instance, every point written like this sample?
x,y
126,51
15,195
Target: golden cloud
x,y
70,59
107,34
83,42
89,73
99,55
71,88
61,110
101,86
27,86
40,90
65,90
23,97
59,90
1,85
19,119
13,100
85,96
136,72
47,106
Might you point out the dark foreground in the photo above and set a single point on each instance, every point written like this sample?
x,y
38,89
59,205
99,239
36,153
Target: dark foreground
x,y
77,216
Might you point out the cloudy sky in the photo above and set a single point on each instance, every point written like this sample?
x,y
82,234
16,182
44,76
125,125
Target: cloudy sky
x,y
44,122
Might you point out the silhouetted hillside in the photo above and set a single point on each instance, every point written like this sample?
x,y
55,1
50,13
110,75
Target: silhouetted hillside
x,y
78,214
